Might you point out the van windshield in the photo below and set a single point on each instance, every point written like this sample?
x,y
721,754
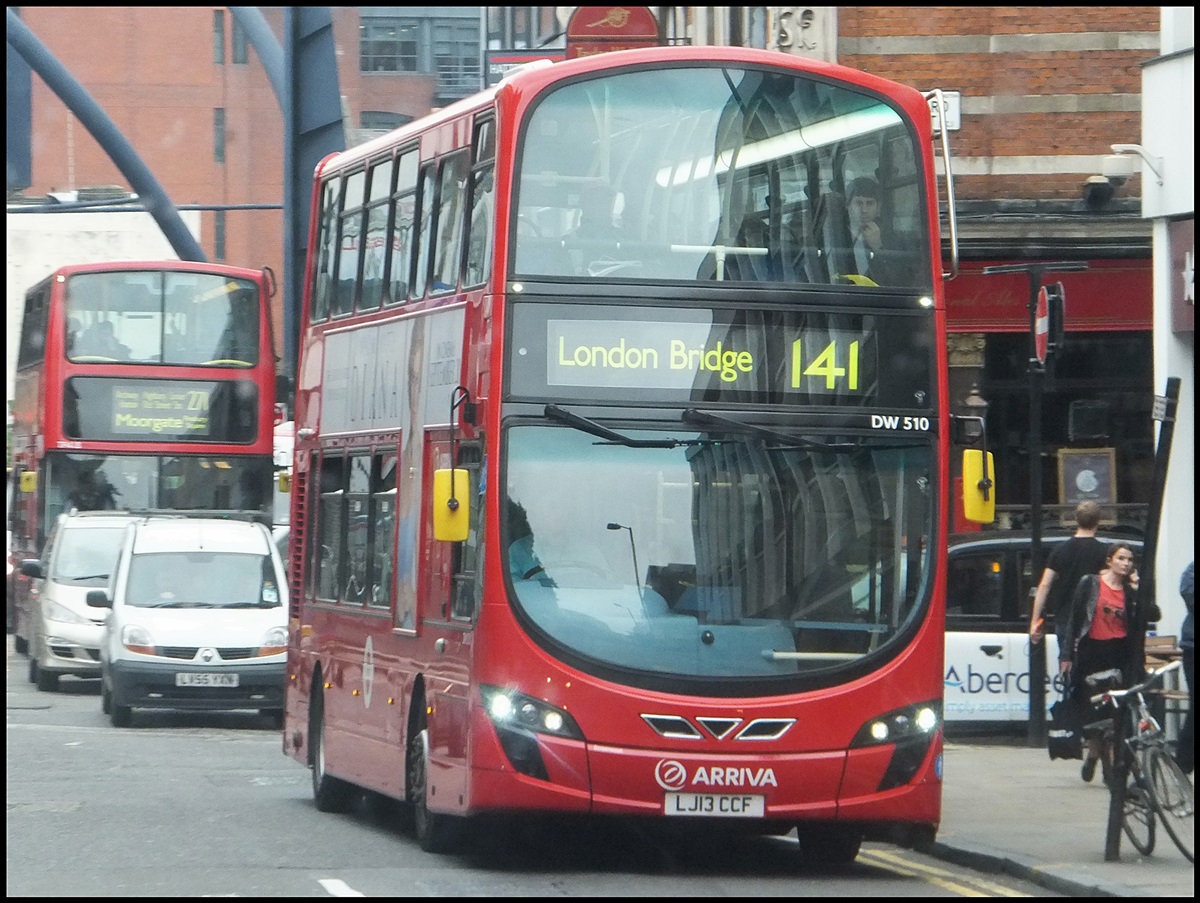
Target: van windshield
x,y
202,580
86,556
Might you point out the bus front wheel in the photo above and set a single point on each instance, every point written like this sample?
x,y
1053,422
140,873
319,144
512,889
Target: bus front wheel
x,y
435,832
828,845
329,793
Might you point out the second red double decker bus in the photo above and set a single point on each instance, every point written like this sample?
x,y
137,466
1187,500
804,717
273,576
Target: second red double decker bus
x,y
622,455
140,385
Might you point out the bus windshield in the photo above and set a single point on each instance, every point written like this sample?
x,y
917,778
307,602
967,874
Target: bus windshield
x,y
706,173
723,553
98,482
197,319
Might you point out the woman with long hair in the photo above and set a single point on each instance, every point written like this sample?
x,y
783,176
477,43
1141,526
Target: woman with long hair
x,y
1099,634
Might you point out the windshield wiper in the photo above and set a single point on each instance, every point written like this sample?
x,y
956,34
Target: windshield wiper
x,y
698,417
90,577
583,424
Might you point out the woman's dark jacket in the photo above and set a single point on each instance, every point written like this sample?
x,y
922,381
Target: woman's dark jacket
x,y
1083,610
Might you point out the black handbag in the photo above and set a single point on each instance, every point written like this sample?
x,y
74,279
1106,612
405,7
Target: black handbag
x,y
1064,737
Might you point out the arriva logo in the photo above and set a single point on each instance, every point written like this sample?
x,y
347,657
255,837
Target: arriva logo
x,y
672,775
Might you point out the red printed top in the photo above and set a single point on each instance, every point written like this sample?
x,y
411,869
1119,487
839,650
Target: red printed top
x,y
1109,622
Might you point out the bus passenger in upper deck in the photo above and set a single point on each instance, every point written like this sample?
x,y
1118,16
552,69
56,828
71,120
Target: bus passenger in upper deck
x,y
100,340
874,250
596,234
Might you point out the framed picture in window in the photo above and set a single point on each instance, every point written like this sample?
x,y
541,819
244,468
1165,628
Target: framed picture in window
x,y
1087,473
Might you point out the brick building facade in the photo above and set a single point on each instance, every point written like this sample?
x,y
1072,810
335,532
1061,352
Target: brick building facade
x,y
1041,92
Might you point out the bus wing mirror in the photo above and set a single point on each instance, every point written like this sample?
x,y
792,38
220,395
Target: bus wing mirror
x,y
979,495
451,518
29,481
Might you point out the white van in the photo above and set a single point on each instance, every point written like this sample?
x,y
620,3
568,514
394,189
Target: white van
x,y
197,619
989,596
63,633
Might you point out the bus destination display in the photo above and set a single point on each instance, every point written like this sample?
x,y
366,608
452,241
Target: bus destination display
x,y
158,409
576,351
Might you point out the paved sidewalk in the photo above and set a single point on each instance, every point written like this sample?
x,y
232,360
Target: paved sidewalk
x,y
1008,807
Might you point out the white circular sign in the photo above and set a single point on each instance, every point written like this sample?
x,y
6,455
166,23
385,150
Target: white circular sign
x,y
368,672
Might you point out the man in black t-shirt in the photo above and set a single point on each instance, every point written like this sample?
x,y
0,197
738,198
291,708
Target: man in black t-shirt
x,y
1070,561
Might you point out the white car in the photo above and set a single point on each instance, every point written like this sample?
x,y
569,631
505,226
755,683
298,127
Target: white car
x,y
64,632
197,620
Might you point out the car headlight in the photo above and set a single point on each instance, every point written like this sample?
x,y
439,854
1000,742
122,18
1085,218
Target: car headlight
x,y
53,611
274,641
137,639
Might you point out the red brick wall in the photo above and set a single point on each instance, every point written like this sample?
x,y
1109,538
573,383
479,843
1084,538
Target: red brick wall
x,y
1011,75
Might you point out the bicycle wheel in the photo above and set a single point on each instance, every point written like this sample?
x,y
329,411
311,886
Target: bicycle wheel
x,y
1137,816
1173,797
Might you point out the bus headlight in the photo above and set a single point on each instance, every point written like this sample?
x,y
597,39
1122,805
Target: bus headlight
x,y
509,709
910,731
518,720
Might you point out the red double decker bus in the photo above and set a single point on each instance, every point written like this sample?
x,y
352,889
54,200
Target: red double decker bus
x,y
140,385
622,456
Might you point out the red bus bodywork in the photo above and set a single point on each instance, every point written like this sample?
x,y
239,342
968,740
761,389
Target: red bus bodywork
x,y
402,702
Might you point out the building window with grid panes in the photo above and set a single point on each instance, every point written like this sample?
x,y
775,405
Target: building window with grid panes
x,y
456,57
389,45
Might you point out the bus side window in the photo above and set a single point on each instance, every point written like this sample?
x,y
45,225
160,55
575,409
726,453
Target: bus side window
x,y
400,241
327,241
450,223
330,527
350,243
375,242
424,235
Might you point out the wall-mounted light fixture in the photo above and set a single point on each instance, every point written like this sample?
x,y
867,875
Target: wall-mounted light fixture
x,y
1117,165
974,408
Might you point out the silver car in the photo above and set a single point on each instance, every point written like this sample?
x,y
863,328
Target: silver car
x,y
64,633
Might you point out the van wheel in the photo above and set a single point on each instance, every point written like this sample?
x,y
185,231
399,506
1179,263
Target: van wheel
x,y
47,681
105,698
33,670
119,715
435,832
274,716
329,793
20,644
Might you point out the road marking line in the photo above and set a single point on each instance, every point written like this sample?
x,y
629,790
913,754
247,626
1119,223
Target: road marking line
x,y
941,877
338,888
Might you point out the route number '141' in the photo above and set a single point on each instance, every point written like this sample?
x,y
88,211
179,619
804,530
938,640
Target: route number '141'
x,y
826,364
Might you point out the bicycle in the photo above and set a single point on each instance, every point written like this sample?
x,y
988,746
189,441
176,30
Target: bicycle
x,y
1154,783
